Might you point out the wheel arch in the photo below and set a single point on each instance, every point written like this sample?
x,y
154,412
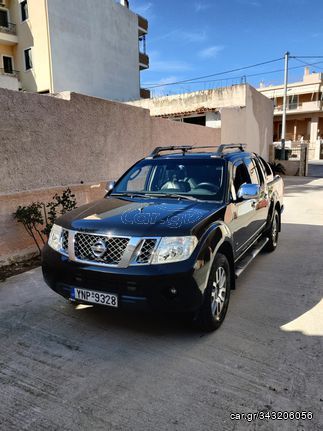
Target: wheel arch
x,y
226,249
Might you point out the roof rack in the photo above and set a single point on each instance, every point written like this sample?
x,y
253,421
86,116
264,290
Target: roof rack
x,y
185,148
229,146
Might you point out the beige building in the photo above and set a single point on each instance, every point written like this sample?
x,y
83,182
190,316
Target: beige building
x,y
304,115
240,113
76,45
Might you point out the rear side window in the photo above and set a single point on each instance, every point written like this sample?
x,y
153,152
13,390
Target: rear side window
x,y
260,171
253,172
267,167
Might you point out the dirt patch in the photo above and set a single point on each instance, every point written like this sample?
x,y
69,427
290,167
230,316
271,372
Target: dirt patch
x,y
18,267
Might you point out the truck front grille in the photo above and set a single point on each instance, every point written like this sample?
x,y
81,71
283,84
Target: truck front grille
x,y
91,248
146,250
65,241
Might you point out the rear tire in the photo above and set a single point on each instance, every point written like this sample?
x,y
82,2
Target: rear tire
x,y
216,295
273,233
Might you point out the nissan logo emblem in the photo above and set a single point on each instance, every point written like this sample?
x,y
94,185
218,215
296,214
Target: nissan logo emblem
x,y
99,248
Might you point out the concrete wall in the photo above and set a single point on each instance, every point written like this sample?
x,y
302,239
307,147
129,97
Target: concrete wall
x,y
197,101
48,143
251,124
246,116
94,48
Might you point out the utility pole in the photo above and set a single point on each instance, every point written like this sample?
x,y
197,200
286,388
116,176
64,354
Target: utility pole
x,y
283,136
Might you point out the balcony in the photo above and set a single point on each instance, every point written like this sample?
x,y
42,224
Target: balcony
x,y
9,80
8,34
143,61
144,93
295,108
142,25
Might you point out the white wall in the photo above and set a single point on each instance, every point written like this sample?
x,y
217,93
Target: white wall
x,y
94,48
9,82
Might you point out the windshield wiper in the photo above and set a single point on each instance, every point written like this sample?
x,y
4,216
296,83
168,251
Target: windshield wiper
x,y
179,196
131,195
156,195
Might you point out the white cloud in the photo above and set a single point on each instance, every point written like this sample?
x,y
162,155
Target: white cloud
x,y
200,6
211,51
183,35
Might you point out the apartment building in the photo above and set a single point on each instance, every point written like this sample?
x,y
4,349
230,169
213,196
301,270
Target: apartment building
x,y
304,115
93,48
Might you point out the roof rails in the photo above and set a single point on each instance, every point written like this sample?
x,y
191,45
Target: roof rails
x,y
229,146
186,148
183,148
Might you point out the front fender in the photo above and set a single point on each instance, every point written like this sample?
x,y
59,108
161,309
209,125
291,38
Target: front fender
x,y
213,239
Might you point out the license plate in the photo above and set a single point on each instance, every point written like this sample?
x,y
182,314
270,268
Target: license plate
x,y
95,297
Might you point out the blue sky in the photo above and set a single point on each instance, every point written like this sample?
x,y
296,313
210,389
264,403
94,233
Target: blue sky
x,y
193,38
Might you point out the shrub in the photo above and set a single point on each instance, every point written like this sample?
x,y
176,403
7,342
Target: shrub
x,y
37,214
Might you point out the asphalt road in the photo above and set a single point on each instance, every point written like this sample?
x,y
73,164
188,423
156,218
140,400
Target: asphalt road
x,y
65,368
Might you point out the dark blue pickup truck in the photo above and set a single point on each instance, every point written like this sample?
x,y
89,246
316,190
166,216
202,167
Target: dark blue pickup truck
x,y
172,234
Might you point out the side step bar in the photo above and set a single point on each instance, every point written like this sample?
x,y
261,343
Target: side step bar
x,y
242,264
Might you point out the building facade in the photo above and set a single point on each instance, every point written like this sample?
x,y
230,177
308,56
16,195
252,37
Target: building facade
x,y
50,46
239,112
304,114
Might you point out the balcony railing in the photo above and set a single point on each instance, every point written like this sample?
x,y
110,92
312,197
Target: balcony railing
x,y
315,105
144,93
143,61
13,73
142,25
9,29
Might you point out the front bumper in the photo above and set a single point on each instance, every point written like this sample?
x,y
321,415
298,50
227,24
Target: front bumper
x,y
141,287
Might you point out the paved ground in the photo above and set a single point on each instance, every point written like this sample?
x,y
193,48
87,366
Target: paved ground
x,y
63,368
315,168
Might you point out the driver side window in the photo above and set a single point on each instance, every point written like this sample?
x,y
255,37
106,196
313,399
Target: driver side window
x,y
241,176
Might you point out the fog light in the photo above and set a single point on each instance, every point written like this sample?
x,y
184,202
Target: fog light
x,y
173,291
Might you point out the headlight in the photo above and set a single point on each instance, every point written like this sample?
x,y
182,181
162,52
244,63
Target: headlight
x,y
174,249
55,237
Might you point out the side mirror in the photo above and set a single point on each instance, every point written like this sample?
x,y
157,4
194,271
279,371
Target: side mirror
x,y
249,191
109,186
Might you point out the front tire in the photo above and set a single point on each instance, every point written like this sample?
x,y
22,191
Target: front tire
x,y
216,295
273,233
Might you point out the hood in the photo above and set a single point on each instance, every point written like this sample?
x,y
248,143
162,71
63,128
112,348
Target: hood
x,y
142,217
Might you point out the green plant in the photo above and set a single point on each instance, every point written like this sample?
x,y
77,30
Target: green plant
x,y
38,214
59,206
31,217
277,168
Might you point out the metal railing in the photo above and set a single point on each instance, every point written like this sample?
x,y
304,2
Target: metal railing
x,y
143,60
143,23
12,73
10,28
301,106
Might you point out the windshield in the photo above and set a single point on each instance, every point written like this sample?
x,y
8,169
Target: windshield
x,y
200,178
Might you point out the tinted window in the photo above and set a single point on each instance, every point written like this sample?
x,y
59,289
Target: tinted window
x,y
202,178
24,10
28,61
241,176
252,169
260,171
266,166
